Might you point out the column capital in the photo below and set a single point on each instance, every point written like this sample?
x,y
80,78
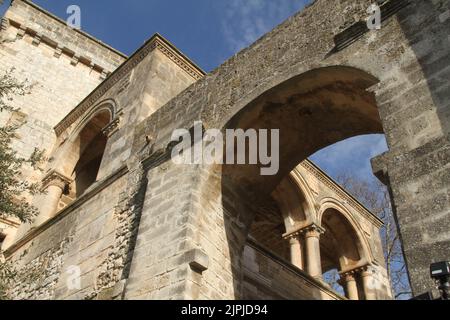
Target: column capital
x,y
348,281
349,275
4,23
296,235
313,230
366,270
54,178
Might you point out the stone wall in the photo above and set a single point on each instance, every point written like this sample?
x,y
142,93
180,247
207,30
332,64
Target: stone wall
x,y
183,229
405,62
81,235
61,65
99,228
267,277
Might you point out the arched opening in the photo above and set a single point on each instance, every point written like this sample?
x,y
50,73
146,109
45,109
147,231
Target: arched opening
x,y
85,155
333,278
76,165
340,246
341,251
311,111
268,228
292,203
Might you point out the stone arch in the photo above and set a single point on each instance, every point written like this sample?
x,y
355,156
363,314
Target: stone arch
x,y
76,163
67,140
312,110
85,153
302,184
81,147
352,245
295,202
104,105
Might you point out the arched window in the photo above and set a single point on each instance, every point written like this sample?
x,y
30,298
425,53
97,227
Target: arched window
x,y
340,250
77,165
87,152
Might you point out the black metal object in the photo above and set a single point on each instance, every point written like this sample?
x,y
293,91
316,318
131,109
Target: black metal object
x,y
440,272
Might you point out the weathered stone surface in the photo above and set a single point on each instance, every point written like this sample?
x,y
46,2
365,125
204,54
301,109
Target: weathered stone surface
x,y
318,78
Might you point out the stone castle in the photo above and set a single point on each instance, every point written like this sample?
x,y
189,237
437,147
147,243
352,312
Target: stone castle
x,y
134,225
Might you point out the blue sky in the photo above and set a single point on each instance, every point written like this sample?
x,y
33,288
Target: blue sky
x,y
209,32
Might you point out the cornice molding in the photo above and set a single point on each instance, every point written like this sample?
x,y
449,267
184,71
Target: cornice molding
x,y
156,42
60,49
180,60
64,23
331,184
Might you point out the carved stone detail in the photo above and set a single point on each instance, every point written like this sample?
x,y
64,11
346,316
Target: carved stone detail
x,y
122,71
54,178
112,127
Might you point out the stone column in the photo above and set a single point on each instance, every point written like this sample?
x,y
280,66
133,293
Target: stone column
x,y
295,243
368,282
348,281
53,186
313,261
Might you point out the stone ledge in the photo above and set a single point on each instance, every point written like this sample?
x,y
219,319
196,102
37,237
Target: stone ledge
x,y
61,21
113,293
359,29
198,260
300,273
39,39
98,187
155,42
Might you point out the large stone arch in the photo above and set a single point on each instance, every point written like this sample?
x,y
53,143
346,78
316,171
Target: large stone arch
x,y
392,71
312,110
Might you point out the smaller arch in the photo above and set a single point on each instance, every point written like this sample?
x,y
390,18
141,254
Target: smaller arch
x,y
80,156
352,244
303,185
108,105
60,161
90,145
294,199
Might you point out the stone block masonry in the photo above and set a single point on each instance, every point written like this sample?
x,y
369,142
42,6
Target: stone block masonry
x,y
149,229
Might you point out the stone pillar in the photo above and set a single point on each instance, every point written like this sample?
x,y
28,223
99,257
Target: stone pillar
x,y
368,283
313,261
53,185
348,281
295,244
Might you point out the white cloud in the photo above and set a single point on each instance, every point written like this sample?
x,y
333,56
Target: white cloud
x,y
244,21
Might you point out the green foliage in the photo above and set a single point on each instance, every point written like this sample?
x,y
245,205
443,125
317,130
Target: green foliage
x,y
13,190
7,275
